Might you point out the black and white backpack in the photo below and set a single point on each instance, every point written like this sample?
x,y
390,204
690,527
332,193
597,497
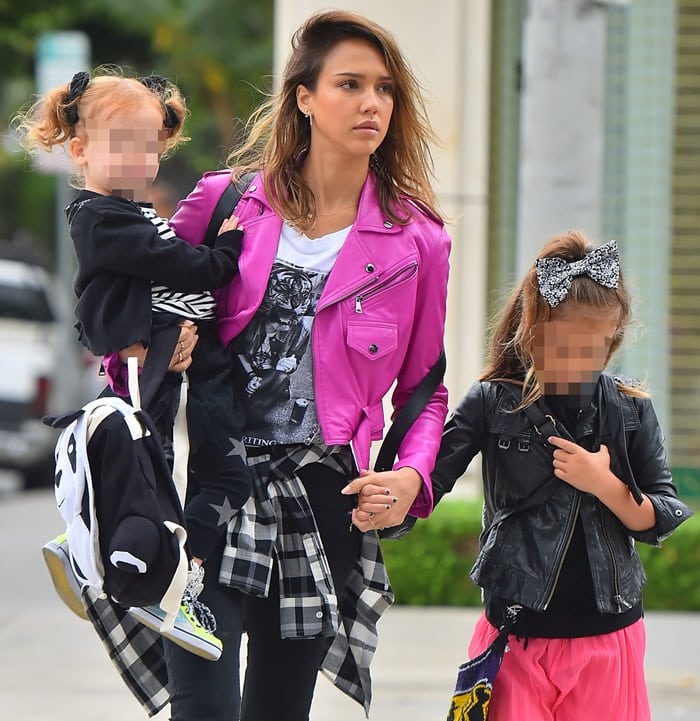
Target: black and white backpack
x,y
116,493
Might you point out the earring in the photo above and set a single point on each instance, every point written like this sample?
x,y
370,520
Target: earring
x,y
309,117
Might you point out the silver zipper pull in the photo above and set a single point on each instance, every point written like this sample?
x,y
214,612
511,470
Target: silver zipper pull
x,y
621,603
358,304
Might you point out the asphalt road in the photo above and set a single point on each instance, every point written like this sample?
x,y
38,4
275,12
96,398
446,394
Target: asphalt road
x,y
53,667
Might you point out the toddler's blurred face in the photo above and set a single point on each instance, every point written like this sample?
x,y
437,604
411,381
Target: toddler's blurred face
x,y
571,350
122,153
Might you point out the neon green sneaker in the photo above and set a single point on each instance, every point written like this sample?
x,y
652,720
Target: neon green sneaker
x,y
194,624
57,559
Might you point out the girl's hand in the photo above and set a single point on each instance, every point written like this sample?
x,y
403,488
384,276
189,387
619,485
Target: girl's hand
x,y
590,472
383,499
585,470
230,224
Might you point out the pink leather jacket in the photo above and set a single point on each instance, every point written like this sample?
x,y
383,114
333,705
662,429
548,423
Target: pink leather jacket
x,y
380,318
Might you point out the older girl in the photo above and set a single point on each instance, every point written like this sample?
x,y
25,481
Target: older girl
x,y
574,471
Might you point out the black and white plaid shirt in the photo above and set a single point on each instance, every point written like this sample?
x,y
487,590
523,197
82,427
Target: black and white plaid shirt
x,y
276,523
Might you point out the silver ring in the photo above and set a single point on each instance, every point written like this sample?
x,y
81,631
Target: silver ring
x,y
179,357
182,346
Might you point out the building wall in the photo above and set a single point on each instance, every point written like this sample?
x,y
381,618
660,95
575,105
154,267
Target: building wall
x,y
685,255
561,123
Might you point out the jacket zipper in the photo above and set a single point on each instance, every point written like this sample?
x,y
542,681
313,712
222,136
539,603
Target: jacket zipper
x,y
408,271
616,578
570,535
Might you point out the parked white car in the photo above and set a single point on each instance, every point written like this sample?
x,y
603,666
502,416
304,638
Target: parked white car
x,y
40,369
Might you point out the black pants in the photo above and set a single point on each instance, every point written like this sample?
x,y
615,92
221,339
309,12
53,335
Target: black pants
x,y
280,674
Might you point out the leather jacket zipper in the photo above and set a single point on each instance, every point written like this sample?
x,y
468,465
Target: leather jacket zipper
x,y
560,565
619,600
405,272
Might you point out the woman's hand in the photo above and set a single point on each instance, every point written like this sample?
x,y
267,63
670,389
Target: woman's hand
x,y
383,499
182,357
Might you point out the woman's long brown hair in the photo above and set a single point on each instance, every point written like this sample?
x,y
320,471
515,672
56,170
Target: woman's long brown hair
x,y
278,134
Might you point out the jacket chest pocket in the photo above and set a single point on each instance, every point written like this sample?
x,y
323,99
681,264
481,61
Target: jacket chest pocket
x,y
372,340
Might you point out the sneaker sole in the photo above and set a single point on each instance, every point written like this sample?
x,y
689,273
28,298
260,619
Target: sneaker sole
x,y
189,641
64,582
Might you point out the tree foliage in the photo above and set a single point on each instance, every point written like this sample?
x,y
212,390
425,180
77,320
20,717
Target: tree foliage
x,y
218,51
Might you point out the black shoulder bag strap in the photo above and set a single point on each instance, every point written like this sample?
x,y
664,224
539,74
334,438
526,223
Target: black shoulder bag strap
x,y
403,421
226,205
160,353
409,412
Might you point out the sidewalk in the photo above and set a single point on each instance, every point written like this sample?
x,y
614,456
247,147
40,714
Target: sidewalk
x,y
54,667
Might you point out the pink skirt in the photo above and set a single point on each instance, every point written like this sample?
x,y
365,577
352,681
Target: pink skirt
x,y
569,679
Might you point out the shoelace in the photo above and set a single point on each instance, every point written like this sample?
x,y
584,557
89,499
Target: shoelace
x,y
195,584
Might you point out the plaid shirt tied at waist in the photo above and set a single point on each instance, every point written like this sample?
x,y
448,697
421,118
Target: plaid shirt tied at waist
x,y
275,524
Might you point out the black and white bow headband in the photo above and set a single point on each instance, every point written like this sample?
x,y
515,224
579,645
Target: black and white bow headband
x,y
554,275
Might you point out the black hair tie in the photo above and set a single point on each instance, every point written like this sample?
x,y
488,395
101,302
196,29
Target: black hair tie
x,y
158,85
76,88
171,120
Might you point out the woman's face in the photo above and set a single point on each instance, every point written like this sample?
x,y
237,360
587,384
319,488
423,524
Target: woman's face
x,y
353,101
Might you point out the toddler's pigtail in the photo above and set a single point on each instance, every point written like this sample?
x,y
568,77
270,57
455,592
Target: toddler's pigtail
x,y
174,108
51,120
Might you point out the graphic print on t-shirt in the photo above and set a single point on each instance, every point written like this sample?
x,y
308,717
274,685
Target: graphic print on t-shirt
x,y
275,354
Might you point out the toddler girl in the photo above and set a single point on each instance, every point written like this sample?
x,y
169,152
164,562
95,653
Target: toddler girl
x,y
136,282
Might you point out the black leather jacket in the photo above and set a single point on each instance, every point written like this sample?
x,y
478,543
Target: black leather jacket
x,y
520,558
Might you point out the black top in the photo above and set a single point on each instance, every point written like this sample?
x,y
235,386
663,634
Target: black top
x,y
120,253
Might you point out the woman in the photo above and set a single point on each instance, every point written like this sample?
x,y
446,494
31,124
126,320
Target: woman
x,y
341,293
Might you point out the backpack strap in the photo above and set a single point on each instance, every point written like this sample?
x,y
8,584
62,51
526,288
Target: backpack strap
x,y
160,353
543,421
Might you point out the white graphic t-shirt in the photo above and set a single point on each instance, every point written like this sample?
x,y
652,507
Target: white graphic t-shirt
x,y
275,348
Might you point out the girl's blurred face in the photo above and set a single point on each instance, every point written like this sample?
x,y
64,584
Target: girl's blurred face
x,y
352,104
571,349
120,155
